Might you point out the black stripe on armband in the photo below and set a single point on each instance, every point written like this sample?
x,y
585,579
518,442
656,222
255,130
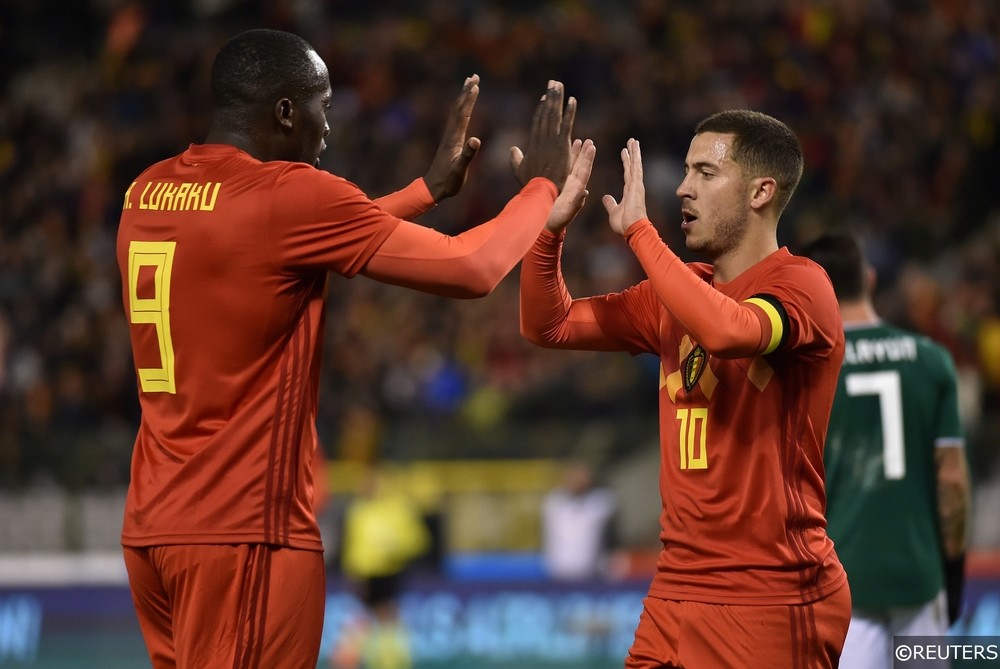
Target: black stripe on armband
x,y
778,317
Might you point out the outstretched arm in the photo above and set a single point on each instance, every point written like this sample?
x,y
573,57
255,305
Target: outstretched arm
x,y
408,203
550,317
470,264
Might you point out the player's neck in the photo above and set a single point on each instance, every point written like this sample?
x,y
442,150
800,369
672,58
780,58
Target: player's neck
x,y
748,253
858,312
221,135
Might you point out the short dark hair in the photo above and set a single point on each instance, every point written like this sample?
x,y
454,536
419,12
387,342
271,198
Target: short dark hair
x,y
258,67
762,146
842,255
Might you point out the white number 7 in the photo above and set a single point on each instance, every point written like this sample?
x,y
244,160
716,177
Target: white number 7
x,y
887,386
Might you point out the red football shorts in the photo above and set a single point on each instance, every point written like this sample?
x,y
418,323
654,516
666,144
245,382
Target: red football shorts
x,y
681,634
221,606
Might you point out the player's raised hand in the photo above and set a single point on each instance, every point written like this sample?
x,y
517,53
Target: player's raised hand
x,y
548,151
450,165
574,193
633,205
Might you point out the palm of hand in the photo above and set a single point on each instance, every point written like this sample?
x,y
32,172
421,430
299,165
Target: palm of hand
x,y
632,208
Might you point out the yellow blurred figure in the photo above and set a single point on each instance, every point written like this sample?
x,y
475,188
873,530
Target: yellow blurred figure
x,y
383,534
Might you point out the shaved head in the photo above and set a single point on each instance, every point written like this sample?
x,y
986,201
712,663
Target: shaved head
x,y
271,92
258,67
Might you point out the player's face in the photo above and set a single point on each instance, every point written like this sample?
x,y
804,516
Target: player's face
x,y
312,127
715,196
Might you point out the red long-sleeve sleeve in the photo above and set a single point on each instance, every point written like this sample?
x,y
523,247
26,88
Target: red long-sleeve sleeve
x,y
549,315
725,327
410,202
470,264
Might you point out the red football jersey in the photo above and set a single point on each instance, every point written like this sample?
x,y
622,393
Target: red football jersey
x,y
741,435
224,262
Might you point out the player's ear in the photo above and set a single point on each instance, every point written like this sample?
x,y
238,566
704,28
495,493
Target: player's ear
x,y
871,279
284,112
762,191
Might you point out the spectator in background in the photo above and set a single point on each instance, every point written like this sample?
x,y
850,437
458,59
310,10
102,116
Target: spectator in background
x,y
908,136
382,536
896,475
577,526
225,251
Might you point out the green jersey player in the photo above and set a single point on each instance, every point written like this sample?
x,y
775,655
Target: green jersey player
x,y
896,475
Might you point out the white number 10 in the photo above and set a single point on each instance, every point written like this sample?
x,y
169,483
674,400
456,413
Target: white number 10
x,y
887,386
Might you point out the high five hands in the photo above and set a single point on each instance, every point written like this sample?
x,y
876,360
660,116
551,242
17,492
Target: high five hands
x,y
622,215
549,142
551,153
450,166
574,193
632,208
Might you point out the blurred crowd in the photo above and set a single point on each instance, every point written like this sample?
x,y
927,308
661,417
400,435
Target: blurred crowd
x,y
897,103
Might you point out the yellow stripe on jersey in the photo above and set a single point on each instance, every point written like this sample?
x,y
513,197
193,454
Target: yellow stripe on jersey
x,y
777,325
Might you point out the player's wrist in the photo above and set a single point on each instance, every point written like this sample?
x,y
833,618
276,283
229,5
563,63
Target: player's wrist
x,y
954,584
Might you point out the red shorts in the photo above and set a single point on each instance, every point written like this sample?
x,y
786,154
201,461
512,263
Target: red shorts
x,y
723,636
221,606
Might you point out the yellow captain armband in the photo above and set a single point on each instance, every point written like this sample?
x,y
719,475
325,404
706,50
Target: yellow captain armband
x,y
777,317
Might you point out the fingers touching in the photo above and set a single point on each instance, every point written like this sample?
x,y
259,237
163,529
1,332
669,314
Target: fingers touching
x,y
551,152
574,193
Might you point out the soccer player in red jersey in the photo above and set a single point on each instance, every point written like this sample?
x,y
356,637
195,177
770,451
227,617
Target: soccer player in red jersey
x,y
750,347
224,252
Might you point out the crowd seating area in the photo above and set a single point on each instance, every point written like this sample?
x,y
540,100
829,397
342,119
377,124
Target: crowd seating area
x,y
897,105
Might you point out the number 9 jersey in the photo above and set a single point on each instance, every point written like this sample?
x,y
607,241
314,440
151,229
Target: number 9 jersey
x,y
224,262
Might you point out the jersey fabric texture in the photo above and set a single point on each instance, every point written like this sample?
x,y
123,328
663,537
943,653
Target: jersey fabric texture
x,y
897,400
741,438
224,262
